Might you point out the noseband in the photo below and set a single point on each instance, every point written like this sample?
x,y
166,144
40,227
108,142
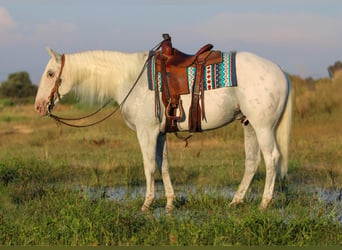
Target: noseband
x,y
54,95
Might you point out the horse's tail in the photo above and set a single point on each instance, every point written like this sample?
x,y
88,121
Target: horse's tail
x,y
283,132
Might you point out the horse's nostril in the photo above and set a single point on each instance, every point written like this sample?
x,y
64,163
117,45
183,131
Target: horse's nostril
x,y
38,108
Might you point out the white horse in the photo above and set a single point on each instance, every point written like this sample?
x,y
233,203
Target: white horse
x,y
263,95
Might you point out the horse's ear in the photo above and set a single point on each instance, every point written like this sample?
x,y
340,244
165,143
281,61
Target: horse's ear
x,y
54,54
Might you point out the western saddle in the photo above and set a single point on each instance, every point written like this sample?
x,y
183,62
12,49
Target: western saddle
x,y
172,65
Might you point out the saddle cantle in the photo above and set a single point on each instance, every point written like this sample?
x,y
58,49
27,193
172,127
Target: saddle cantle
x,y
172,65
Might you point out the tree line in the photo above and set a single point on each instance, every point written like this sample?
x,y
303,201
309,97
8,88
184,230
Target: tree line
x,y
18,85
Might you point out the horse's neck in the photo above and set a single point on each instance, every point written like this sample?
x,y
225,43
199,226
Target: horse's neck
x,y
100,75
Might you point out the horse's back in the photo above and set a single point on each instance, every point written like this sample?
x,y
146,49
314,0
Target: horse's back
x,y
251,67
260,95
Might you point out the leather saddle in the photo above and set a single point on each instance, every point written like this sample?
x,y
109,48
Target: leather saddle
x,y
172,65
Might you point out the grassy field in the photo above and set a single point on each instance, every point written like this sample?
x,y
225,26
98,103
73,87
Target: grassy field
x,y
46,172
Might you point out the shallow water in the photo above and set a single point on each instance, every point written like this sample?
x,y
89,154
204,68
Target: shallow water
x,y
332,197
124,193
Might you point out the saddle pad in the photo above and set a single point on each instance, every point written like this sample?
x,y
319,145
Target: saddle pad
x,y
215,76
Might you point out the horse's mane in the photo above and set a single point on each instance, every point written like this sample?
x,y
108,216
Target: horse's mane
x,y
98,75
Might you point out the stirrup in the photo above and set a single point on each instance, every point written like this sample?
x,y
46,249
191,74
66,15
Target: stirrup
x,y
174,117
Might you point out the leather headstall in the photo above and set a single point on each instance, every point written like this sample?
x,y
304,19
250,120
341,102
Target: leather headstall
x,y
54,92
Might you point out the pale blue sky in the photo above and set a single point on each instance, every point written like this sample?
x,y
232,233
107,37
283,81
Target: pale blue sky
x,y
304,37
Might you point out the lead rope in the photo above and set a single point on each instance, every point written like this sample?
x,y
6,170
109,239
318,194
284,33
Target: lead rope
x,y
63,120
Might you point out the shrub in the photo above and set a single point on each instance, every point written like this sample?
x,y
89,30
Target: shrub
x,y
18,85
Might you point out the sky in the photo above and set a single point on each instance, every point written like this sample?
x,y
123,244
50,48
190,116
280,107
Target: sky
x,y
303,36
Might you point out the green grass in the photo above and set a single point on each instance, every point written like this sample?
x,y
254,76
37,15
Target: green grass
x,y
61,217
43,168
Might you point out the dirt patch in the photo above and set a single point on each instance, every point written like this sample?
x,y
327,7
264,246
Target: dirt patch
x,y
23,129
18,129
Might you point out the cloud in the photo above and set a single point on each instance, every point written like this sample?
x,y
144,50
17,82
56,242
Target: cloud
x,y
6,20
52,26
8,26
277,29
51,32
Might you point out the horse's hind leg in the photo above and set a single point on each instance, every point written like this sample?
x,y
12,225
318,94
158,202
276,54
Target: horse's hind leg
x,y
252,155
163,165
271,155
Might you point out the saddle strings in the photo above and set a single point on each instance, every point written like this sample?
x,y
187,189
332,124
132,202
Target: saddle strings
x,y
63,120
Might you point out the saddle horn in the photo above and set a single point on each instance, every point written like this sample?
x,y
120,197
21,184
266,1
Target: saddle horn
x,y
166,36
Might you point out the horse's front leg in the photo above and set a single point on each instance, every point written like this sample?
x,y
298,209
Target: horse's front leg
x,y
163,166
148,144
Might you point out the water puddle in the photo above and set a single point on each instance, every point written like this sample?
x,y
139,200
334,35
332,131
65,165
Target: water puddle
x,y
331,197
124,193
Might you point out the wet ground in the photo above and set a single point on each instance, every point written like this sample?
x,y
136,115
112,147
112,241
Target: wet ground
x,y
331,197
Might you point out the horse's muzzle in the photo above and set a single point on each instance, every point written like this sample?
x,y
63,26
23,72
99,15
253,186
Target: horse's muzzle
x,y
41,107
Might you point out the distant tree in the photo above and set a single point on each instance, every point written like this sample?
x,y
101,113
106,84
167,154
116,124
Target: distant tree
x,y
334,68
18,85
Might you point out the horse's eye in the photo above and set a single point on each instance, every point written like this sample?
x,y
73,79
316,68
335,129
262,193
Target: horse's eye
x,y
50,74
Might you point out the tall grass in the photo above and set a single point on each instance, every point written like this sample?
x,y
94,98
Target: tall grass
x,y
312,97
43,168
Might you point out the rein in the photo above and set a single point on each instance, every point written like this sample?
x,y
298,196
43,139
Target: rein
x,y
65,120
55,95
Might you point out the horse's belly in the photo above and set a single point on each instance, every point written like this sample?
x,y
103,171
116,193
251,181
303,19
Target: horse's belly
x,y
219,105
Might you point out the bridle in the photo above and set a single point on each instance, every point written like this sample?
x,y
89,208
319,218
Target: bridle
x,y
54,95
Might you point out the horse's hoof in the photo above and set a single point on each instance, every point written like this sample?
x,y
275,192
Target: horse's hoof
x,y
169,208
264,204
236,203
262,207
145,208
